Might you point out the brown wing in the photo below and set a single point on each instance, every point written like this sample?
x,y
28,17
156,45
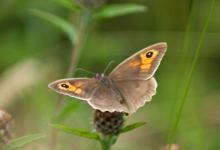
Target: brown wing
x,y
107,99
127,97
81,88
140,65
136,92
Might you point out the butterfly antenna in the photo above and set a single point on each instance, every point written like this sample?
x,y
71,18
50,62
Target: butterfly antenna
x,y
107,67
81,69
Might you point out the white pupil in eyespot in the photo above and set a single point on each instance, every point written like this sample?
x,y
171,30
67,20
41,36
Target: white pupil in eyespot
x,y
64,86
149,54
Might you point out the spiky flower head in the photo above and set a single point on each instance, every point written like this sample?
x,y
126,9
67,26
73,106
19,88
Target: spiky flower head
x,y
108,123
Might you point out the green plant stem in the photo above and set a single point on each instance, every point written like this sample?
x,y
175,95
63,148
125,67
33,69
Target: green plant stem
x,y
106,142
82,35
76,50
181,63
190,74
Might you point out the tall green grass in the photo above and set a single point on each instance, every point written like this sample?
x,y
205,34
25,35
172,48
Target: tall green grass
x,y
189,76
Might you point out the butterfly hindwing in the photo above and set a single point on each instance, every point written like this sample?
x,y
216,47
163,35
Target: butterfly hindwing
x,y
108,99
136,92
124,96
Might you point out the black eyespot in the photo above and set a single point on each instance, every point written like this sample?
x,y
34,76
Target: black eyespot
x,y
149,54
64,86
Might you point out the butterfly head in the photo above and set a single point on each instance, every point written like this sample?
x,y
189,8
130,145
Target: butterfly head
x,y
103,79
99,76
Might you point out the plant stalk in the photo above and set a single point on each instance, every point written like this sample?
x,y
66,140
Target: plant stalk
x,y
181,74
85,19
106,142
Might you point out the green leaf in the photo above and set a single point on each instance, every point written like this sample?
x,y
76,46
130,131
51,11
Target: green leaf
x,y
70,108
69,4
132,127
22,141
62,24
78,132
115,10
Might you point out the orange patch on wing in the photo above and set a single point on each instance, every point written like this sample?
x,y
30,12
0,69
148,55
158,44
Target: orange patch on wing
x,y
78,91
134,63
72,88
147,62
144,67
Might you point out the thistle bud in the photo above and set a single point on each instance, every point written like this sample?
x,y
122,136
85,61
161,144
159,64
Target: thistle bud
x,y
108,123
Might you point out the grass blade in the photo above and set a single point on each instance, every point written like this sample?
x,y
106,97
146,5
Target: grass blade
x,y
190,74
69,4
62,24
115,10
78,132
132,127
22,141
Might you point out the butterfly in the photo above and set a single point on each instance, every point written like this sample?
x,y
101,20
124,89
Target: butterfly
x,y
125,89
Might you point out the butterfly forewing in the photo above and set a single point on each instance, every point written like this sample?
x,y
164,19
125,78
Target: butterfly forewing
x,y
82,88
141,65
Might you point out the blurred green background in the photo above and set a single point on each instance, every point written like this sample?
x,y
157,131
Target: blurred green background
x,y
34,52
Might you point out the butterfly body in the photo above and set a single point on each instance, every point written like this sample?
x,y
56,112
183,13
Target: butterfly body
x,y
104,80
108,84
125,89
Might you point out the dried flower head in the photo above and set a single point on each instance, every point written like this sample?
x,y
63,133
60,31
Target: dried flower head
x,y
5,125
91,3
108,123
